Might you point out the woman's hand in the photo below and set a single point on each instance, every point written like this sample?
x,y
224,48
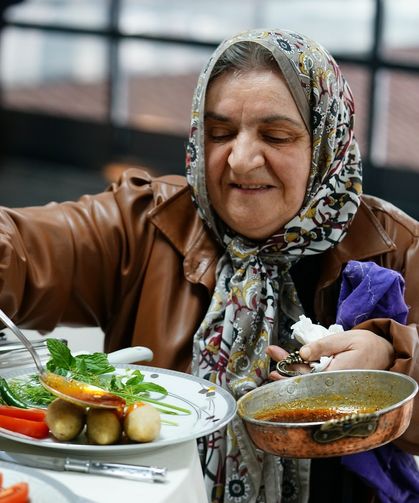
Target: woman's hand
x,y
277,354
353,349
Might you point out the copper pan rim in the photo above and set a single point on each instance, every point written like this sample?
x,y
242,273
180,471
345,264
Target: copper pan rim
x,y
388,394
380,412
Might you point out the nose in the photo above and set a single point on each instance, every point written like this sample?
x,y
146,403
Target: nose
x,y
246,154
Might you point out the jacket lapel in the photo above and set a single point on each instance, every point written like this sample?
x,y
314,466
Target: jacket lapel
x,y
366,238
177,219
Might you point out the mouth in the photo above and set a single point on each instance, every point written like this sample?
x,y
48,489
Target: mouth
x,y
250,186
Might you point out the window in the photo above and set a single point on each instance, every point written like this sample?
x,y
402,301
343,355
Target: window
x,y
116,76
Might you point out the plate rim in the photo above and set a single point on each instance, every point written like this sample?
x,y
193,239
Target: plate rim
x,y
132,447
70,496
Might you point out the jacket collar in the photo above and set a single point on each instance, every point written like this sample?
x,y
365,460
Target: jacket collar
x,y
180,223
366,238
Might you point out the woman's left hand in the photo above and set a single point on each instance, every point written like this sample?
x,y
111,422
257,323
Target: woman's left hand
x,y
353,349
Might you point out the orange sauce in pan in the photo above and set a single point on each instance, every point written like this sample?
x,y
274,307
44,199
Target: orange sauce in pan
x,y
306,415
316,409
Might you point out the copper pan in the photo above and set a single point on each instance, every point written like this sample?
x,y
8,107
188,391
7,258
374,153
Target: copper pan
x,y
373,407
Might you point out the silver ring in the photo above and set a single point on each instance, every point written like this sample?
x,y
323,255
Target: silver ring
x,y
291,359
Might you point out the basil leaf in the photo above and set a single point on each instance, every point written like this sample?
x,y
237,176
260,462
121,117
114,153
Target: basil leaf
x,y
147,386
96,363
61,357
138,374
134,381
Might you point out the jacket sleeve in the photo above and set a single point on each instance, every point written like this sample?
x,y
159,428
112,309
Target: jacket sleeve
x,y
405,343
70,263
405,339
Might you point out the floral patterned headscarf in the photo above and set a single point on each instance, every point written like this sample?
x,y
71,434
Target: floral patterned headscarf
x,y
255,301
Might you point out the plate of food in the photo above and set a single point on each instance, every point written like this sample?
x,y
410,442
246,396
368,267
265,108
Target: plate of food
x,y
187,407
16,482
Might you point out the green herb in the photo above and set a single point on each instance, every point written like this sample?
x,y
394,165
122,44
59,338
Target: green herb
x,y
61,357
168,405
62,361
93,369
169,423
134,385
9,397
31,391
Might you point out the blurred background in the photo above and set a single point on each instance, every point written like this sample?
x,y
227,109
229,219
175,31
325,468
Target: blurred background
x,y
91,87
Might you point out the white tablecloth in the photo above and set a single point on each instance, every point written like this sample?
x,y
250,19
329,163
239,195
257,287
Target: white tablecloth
x,y
184,484
184,478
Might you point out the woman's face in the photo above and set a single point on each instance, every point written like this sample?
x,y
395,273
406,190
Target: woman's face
x,y
257,152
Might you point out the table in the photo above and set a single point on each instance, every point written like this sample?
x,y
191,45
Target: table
x,y
185,483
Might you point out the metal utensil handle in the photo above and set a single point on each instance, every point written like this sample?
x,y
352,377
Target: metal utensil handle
x,y
354,425
23,339
134,472
9,347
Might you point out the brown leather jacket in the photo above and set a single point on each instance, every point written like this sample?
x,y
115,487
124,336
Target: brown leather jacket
x,y
137,261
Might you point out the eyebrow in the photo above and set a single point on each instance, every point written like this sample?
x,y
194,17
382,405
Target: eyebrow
x,y
266,120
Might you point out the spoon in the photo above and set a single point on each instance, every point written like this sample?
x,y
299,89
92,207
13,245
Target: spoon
x,y
66,388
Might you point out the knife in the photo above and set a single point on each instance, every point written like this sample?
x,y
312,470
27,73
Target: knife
x,y
125,471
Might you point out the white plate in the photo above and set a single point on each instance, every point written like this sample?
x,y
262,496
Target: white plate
x,y
42,489
210,405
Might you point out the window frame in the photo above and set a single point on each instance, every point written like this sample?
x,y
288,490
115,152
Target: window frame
x,y
108,141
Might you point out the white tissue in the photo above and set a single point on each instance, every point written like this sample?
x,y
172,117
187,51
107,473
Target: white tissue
x,y
322,364
305,331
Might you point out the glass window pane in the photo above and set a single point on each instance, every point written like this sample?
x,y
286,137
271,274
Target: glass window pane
x,y
193,18
54,73
401,30
156,85
80,13
338,24
397,120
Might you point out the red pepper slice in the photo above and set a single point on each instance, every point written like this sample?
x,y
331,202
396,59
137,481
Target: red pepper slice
x,y
17,493
31,414
35,429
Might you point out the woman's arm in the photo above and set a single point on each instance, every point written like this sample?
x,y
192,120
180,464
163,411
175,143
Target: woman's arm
x,y
70,263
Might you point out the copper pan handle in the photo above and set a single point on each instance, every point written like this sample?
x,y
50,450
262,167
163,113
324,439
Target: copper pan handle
x,y
354,425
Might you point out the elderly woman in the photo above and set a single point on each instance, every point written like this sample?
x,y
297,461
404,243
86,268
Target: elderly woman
x,y
212,283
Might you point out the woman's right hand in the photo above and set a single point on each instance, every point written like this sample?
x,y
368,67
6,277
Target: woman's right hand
x,y
277,354
353,349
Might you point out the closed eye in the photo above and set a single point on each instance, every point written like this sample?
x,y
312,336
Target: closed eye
x,y
278,139
219,134
219,138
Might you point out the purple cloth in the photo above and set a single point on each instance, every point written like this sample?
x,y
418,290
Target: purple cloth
x,y
390,471
370,291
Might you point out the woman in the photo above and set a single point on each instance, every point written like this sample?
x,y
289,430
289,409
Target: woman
x,y
275,175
